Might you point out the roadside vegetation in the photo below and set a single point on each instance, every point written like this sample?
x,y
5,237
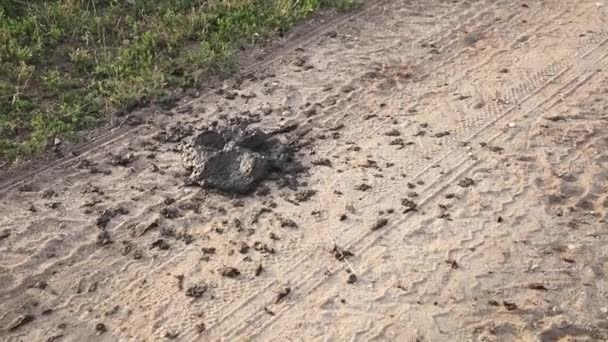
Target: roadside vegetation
x,y
68,65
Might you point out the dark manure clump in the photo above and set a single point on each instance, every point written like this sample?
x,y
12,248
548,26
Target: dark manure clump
x,y
235,160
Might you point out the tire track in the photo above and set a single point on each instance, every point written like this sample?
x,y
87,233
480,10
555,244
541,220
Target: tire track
x,y
576,76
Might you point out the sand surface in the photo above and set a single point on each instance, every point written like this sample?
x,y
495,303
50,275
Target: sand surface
x,y
456,190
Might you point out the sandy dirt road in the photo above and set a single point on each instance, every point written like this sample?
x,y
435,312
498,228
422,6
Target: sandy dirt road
x,y
457,190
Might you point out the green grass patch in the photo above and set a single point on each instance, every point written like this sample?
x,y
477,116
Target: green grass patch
x,y
67,65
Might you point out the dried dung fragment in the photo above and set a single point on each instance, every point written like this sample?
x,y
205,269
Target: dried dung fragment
x,y
103,238
21,321
466,182
379,224
196,291
208,250
5,234
509,306
201,327
442,134
100,328
304,195
171,335
108,214
282,294
244,248
259,270
393,133
229,272
341,254
174,133
160,244
452,263
321,162
409,205
288,223
537,286
363,187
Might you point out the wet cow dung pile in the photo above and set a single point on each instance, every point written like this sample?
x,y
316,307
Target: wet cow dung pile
x,y
235,159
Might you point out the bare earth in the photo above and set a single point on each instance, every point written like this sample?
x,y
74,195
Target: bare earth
x,y
487,116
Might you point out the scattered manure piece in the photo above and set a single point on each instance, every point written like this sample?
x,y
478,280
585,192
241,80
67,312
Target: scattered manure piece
x,y
236,160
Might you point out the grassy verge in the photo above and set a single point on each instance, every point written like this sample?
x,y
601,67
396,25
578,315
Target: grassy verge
x,y
67,65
